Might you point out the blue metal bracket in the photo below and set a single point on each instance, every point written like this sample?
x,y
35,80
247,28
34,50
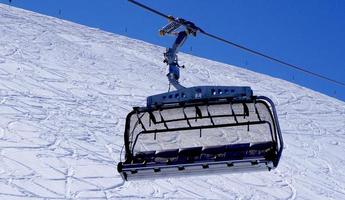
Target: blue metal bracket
x,y
201,93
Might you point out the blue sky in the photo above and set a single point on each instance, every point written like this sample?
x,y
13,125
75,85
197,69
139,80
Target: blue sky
x,y
305,33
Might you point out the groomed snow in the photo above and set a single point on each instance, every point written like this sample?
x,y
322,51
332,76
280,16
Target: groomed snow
x,y
65,90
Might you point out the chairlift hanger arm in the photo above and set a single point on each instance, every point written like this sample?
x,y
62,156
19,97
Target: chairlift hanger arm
x,y
170,56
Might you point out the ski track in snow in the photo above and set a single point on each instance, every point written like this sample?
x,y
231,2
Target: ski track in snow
x,y
65,90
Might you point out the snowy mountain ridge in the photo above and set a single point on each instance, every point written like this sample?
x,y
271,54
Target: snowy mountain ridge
x,y
65,90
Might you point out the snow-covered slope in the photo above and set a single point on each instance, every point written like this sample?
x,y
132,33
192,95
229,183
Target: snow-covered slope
x,y
65,90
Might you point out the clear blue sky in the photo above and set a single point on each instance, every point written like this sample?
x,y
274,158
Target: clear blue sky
x,y
310,34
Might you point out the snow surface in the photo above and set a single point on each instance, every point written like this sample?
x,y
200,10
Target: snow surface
x,y
65,90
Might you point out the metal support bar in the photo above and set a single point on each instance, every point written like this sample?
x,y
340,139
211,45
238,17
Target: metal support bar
x,y
140,122
163,120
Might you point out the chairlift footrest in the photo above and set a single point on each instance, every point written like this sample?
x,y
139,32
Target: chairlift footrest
x,y
153,170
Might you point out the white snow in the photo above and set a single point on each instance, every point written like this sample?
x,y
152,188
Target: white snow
x,y
65,90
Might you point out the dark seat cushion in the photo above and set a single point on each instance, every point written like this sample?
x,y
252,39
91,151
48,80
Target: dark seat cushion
x,y
214,149
238,147
261,145
166,156
213,152
189,154
144,156
262,149
169,153
236,151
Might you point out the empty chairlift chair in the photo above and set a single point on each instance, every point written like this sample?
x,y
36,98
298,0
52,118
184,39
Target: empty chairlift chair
x,y
199,130
216,135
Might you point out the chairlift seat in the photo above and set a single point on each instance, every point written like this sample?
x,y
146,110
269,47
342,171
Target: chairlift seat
x,y
154,125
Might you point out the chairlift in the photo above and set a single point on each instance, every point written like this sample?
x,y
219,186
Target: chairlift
x,y
199,130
